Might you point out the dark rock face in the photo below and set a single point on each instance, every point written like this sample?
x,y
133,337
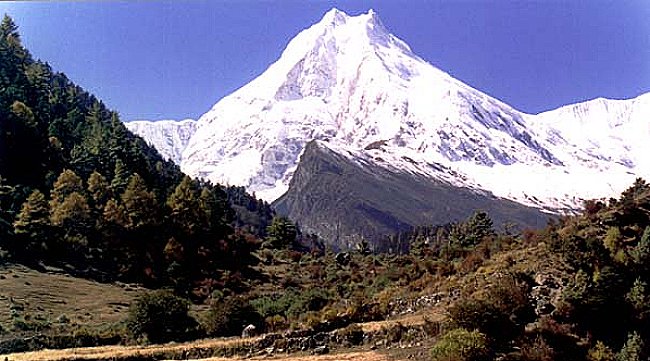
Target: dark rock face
x,y
343,201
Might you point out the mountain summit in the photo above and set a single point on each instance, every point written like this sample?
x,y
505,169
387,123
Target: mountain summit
x,y
357,90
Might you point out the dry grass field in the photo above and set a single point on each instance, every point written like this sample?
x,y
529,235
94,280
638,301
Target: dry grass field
x,y
122,352
155,352
33,295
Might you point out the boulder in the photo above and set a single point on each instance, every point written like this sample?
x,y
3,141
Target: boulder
x,y
249,331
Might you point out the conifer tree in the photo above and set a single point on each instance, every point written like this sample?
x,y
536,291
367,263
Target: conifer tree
x,y
67,183
72,215
98,189
281,233
10,39
641,252
139,204
8,28
471,232
113,213
120,177
186,210
32,225
217,211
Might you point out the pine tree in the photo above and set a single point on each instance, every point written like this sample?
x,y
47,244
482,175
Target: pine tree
x,y
217,211
98,189
139,204
120,177
281,233
641,252
8,28
72,215
10,39
118,144
32,225
114,213
471,232
186,211
67,183
419,246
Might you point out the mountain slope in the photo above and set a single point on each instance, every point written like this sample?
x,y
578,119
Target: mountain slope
x,y
340,198
169,137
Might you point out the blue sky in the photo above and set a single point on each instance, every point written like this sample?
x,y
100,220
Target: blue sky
x,y
175,59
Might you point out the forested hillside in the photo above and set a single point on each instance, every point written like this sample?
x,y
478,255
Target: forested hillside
x,y
78,190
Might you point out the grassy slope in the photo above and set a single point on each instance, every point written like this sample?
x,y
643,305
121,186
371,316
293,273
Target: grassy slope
x,y
36,296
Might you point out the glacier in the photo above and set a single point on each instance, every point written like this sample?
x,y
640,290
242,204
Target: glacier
x,y
169,137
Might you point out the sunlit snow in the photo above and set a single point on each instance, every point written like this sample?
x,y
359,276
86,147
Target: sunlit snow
x,y
347,82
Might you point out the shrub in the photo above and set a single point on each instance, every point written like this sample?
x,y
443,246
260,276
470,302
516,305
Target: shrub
x,y
229,317
313,299
600,352
160,316
500,315
472,262
461,345
268,306
539,350
275,323
632,350
482,315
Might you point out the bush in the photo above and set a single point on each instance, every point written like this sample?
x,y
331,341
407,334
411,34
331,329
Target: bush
x,y
600,352
275,323
461,345
482,315
501,314
229,317
313,299
633,349
538,350
160,316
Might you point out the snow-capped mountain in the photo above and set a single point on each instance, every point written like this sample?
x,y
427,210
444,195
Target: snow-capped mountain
x,y
169,137
362,93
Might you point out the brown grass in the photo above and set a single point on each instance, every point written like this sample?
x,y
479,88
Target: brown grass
x,y
414,319
50,295
119,352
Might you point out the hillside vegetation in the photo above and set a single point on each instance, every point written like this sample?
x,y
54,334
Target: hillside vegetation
x,y
575,290
81,192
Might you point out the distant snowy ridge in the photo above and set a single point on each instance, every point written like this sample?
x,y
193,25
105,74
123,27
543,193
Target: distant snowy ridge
x,y
359,90
169,137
